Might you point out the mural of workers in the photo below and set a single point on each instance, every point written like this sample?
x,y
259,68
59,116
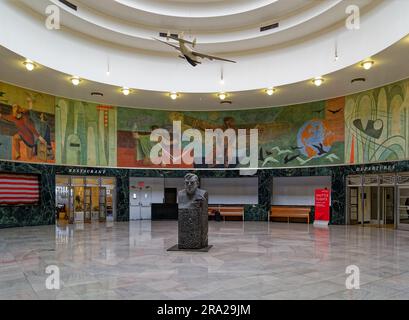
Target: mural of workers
x,y
27,125
25,132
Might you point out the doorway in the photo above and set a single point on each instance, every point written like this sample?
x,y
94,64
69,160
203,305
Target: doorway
x,y
141,203
85,199
369,203
171,195
403,212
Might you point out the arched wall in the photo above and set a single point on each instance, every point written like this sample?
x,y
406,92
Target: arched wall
x,y
367,127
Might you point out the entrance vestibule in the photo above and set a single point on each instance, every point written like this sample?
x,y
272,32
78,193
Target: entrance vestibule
x,y
85,199
378,200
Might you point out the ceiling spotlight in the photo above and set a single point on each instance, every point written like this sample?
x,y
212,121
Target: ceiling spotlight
x,y
75,80
29,65
367,64
318,81
173,95
222,96
270,91
126,91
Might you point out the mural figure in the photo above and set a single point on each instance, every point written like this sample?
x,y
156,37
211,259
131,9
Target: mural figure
x,y
26,133
371,126
308,134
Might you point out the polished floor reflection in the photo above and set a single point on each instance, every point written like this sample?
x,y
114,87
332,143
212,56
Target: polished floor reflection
x,y
252,260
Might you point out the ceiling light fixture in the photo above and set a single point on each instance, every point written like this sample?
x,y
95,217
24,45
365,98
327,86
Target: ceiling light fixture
x,y
318,81
29,65
222,96
75,80
126,91
270,91
367,64
173,95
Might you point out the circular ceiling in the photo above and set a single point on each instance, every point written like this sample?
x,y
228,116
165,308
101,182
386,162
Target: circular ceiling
x,y
219,26
119,36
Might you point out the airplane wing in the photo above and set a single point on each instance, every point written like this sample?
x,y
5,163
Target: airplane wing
x,y
181,40
206,56
169,44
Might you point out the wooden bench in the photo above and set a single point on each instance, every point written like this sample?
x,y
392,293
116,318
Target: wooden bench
x,y
290,212
228,213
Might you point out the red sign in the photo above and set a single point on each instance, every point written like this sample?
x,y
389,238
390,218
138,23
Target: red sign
x,y
141,184
322,198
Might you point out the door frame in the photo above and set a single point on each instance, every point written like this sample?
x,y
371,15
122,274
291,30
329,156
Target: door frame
x,y
399,225
380,187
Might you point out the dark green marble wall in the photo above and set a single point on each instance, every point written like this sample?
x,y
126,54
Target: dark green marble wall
x,y
44,213
19,216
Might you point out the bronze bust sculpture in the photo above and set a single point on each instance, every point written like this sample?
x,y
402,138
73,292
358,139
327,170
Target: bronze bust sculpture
x,y
193,216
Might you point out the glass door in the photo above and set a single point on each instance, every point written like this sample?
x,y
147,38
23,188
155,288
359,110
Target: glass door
x,y
353,205
403,212
95,204
102,205
87,204
388,212
79,204
109,196
71,206
375,206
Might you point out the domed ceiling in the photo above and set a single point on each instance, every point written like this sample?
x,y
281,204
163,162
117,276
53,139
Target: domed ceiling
x,y
97,36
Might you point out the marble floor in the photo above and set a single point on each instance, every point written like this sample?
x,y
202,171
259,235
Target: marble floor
x,y
252,260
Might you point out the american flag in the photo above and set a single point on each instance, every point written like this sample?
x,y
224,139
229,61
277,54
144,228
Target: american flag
x,y
19,189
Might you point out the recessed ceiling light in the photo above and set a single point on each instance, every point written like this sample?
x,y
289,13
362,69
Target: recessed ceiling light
x,y
222,95
367,64
75,80
270,91
318,81
173,95
29,65
126,91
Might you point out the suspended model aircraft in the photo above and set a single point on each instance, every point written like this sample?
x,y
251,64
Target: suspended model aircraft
x,y
187,53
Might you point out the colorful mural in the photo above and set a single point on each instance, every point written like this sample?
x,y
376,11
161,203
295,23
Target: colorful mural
x,y
85,133
307,134
26,125
377,124
367,127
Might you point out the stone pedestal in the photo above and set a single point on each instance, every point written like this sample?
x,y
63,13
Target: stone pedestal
x,y
193,217
193,229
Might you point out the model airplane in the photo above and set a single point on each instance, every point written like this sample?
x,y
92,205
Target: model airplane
x,y
187,53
